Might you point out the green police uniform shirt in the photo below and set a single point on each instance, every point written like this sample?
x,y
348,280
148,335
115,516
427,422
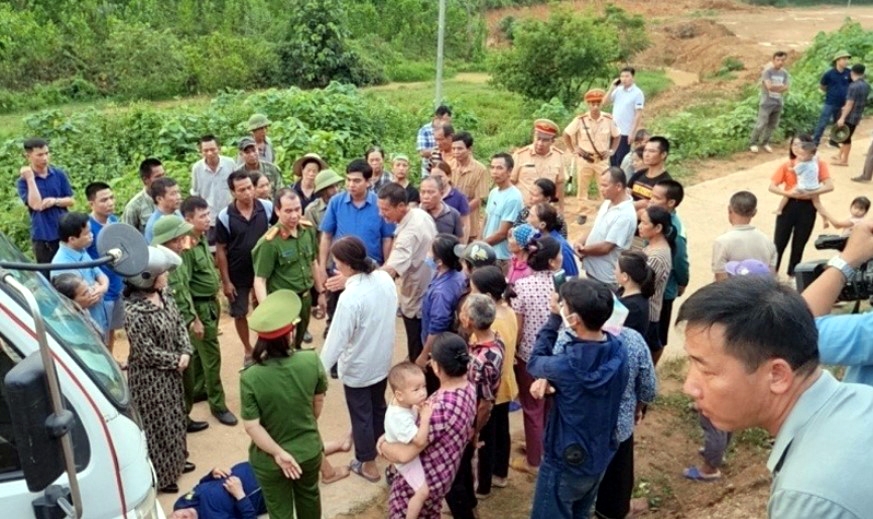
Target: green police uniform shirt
x,y
204,280
279,394
285,261
179,281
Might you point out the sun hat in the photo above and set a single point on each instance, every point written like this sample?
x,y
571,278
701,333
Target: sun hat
x,y
302,161
326,178
841,54
169,227
258,121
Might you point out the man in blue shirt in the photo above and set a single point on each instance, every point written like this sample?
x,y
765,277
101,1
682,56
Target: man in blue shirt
x,y
589,375
102,202
505,201
75,238
233,494
165,193
754,361
835,84
47,193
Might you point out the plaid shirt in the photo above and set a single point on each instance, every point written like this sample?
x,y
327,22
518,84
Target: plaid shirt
x,y
425,141
486,368
450,428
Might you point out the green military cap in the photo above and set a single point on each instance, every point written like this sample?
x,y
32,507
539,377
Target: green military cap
x,y
276,315
326,178
258,121
841,54
170,227
400,156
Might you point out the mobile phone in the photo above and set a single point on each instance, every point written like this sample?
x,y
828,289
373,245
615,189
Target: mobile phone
x,y
559,278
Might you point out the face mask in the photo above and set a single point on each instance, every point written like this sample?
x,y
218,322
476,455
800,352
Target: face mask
x,y
430,263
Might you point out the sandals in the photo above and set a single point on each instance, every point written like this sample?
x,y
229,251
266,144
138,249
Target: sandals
x,y
358,468
318,312
694,474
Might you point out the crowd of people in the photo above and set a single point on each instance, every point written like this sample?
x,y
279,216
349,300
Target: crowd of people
x,y
499,305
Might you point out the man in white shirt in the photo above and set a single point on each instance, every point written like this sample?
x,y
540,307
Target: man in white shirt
x,y
613,229
209,179
743,241
627,110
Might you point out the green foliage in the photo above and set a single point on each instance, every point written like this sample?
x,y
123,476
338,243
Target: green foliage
x,y
721,127
143,63
566,54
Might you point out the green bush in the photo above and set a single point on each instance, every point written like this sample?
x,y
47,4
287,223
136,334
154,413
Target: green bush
x,y
227,62
144,63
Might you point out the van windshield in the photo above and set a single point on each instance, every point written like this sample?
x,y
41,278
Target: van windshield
x,y
66,323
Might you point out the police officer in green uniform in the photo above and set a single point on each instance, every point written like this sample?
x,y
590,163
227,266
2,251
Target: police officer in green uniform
x,y
204,284
172,232
285,258
282,395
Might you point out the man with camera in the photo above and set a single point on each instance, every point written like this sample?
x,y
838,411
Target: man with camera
x,y
593,137
844,340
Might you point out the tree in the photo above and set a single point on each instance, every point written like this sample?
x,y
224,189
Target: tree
x,y
560,57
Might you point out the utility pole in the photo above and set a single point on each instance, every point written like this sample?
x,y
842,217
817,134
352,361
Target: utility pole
x,y
441,36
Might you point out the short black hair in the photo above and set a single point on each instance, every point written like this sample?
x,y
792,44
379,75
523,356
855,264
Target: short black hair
x,y
159,187
616,175
762,319
464,137
744,203
443,110
674,190
370,150
663,143
67,283
861,201
859,68
71,225
237,175
447,129
780,54
548,188
93,188
360,166
192,204
146,167
633,71
507,159
394,193
34,143
589,299
280,194
209,138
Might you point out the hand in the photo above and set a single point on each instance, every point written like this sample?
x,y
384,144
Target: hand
x,y
579,248
48,202
841,122
184,359
93,298
425,412
859,247
554,307
639,413
681,290
288,465
197,328
540,388
229,291
321,302
421,361
335,283
234,487
26,173
218,473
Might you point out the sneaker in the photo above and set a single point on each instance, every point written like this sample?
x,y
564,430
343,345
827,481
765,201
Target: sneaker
x,y
753,149
768,149
307,337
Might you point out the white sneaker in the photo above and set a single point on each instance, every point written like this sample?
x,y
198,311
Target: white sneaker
x,y
753,149
768,149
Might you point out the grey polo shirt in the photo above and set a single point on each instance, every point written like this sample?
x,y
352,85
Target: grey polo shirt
x,y
212,184
823,454
614,224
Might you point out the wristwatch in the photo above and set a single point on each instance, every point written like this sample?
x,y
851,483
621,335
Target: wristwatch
x,y
840,264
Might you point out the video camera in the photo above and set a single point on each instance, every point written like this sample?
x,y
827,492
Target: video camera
x,y
858,288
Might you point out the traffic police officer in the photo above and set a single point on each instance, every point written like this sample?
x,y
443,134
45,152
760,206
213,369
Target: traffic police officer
x,y
540,160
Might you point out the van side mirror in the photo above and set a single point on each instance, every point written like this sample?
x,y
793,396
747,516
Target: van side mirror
x,y
36,429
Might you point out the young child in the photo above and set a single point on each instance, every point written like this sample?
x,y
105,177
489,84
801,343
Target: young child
x,y
806,170
407,383
857,211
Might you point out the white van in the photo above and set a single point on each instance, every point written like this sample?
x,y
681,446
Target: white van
x,y
112,470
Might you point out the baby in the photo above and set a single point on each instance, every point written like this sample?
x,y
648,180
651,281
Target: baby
x,y
806,170
857,211
407,383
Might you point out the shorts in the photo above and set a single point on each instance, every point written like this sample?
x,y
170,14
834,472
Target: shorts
x,y
239,307
114,313
413,473
851,128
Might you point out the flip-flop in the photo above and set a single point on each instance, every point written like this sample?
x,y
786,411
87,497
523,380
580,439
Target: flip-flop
x,y
694,474
338,474
358,468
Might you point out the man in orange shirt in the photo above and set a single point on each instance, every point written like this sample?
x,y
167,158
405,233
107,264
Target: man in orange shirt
x,y
541,159
470,177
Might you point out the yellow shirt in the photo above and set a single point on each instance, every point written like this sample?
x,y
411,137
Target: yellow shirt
x,y
602,131
506,327
474,181
529,166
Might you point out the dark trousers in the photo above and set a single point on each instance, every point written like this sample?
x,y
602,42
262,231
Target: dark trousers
x,y
332,298
617,486
715,442
622,150
494,448
664,324
797,219
829,115
367,410
867,172
44,251
412,325
461,497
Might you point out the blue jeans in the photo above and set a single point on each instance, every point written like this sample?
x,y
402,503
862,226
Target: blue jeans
x,y
560,494
829,114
